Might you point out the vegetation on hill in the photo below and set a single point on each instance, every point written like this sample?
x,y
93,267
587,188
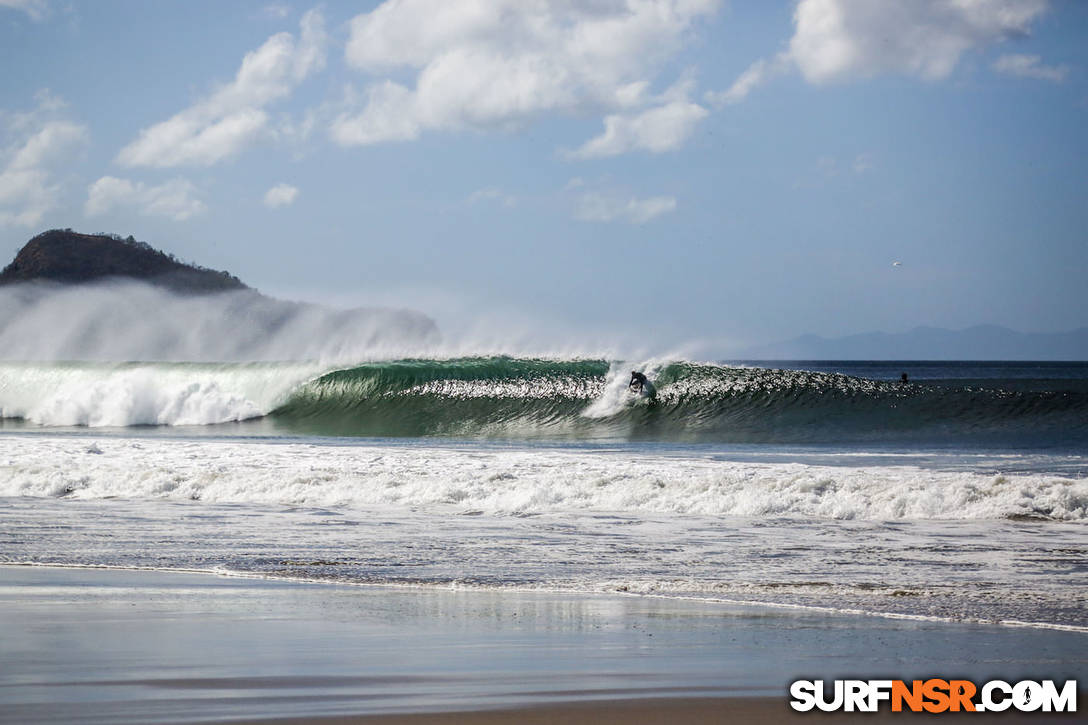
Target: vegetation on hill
x,y
68,257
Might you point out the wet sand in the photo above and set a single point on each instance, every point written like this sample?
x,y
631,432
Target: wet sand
x,y
121,646
680,711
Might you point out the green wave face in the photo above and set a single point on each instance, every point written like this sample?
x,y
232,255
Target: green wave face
x,y
493,396
504,397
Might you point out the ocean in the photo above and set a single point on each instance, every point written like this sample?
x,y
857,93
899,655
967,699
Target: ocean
x,y
960,494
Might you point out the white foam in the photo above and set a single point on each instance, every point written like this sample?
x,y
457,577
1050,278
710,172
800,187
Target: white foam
x,y
504,481
616,395
151,394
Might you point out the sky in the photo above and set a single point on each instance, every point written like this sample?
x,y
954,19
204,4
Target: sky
x,y
694,174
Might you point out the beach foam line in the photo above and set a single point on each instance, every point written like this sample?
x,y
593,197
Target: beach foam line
x,y
520,482
549,588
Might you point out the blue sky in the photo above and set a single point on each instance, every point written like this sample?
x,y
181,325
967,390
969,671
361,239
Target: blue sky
x,y
685,172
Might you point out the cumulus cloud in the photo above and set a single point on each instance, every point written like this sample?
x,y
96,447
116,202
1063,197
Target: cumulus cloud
x,y
280,195
175,199
37,143
1030,66
234,116
600,207
836,40
656,129
390,115
38,10
503,63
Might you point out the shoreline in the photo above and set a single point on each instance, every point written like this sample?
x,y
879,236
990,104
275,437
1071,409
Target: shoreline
x,y
109,645
884,540
689,711
514,590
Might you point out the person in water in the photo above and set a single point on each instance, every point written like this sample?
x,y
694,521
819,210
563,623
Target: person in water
x,y
641,386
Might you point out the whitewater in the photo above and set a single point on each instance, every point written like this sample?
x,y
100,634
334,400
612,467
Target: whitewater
x,y
520,482
960,495
568,399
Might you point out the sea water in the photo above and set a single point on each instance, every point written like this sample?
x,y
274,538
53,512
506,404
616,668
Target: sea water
x,y
961,494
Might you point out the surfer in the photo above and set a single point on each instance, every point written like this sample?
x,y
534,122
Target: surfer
x,y
640,385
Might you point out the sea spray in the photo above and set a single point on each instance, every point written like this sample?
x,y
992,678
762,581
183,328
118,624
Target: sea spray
x,y
114,321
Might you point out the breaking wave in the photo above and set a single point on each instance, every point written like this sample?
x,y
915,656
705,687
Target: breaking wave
x,y
589,398
130,394
515,398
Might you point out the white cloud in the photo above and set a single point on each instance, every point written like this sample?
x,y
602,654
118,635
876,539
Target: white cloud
x,y
863,164
233,117
492,194
657,129
836,40
176,199
1030,66
48,145
38,10
280,195
598,207
390,115
36,145
830,166
506,62
757,74
276,11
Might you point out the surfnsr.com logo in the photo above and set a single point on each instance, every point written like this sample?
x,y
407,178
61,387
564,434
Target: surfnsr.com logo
x,y
934,695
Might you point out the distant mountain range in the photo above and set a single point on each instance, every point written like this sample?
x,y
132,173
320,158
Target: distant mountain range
x,y
981,342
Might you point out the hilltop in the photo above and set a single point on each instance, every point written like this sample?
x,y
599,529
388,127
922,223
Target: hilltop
x,y
68,257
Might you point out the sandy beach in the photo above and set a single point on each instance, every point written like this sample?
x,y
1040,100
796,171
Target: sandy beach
x,y
124,646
